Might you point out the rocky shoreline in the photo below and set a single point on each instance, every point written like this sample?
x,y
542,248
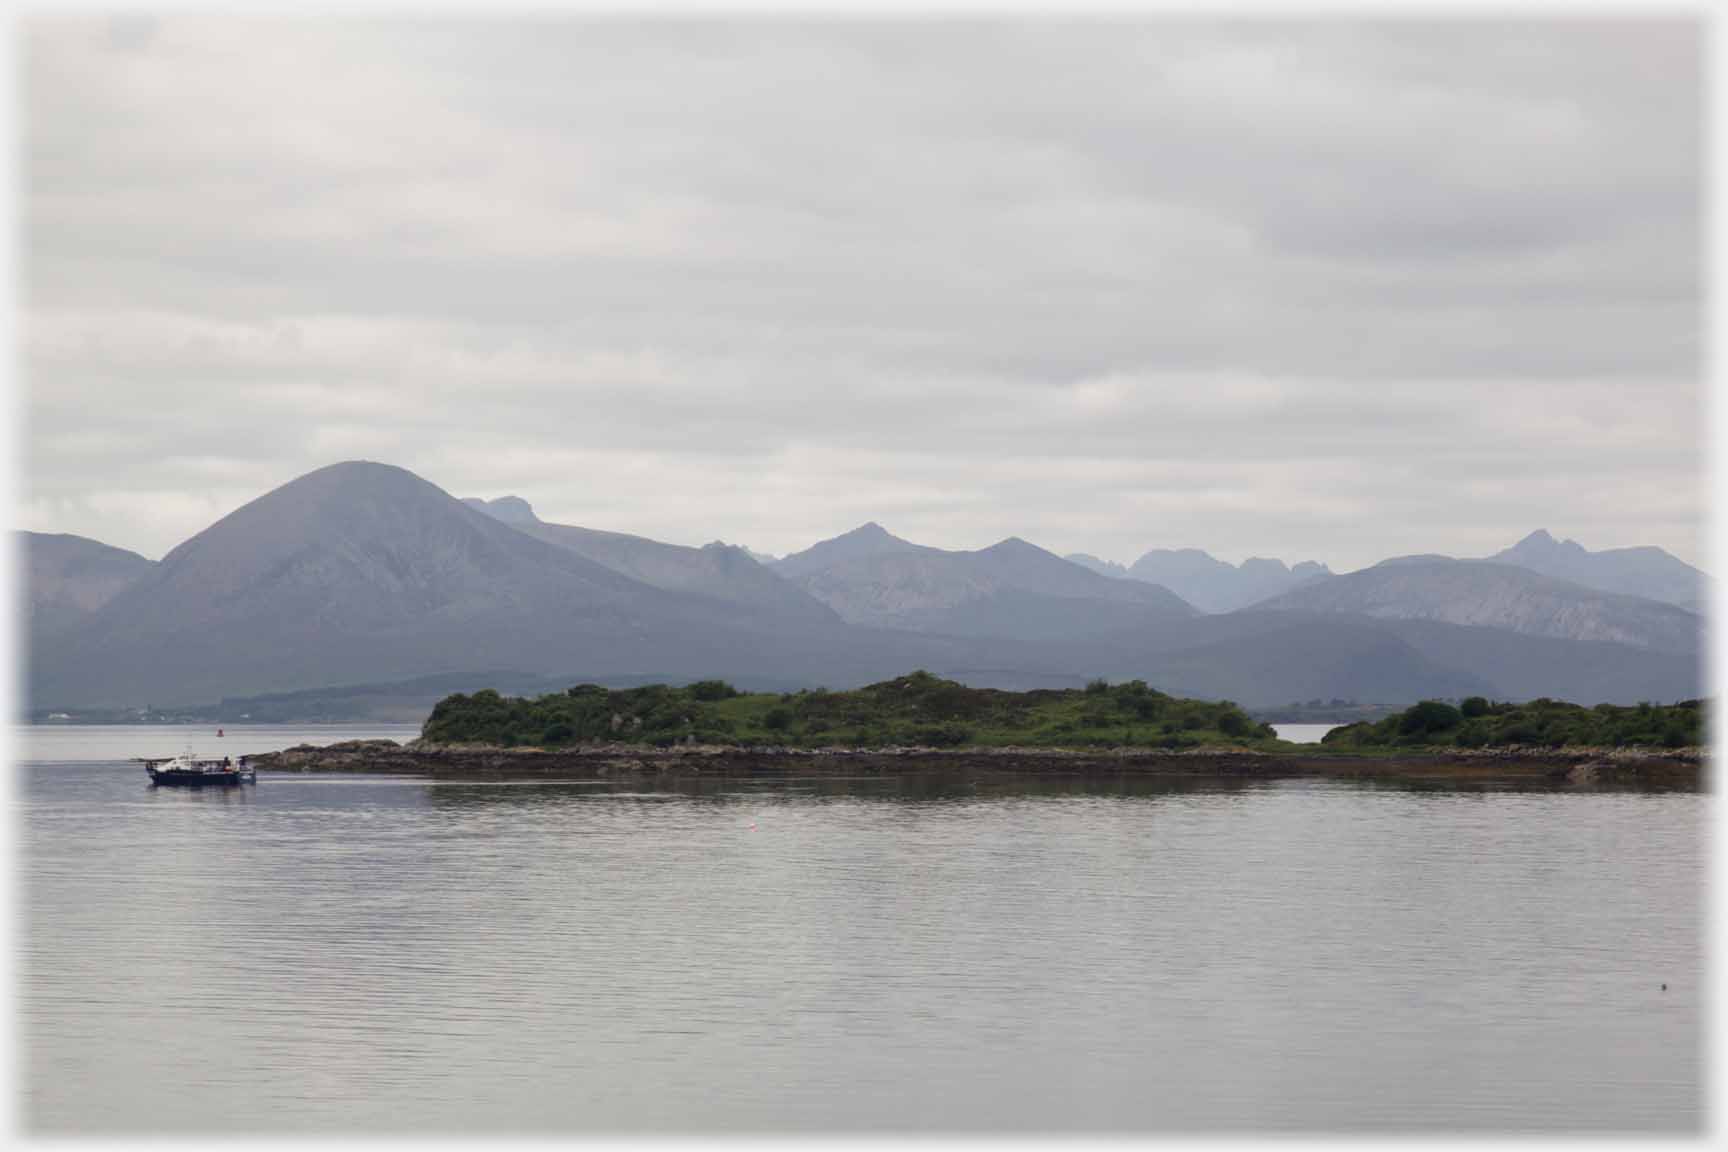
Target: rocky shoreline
x,y
1680,768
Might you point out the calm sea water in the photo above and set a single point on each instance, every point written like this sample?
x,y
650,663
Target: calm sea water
x,y
347,953
1303,733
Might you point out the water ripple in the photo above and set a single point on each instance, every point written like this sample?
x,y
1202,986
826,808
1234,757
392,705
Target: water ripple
x,y
334,954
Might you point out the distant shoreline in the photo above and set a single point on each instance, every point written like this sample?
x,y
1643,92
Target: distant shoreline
x,y
1680,769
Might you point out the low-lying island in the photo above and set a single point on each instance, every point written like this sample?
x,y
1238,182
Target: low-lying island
x,y
921,724
1669,768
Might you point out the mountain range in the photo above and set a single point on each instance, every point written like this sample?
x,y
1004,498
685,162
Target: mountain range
x,y
874,579
1213,585
365,574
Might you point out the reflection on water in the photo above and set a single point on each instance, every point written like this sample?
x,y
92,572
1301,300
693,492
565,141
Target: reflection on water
x,y
323,953
932,787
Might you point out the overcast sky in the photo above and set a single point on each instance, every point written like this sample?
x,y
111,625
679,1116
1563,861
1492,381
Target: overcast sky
x,y
1328,290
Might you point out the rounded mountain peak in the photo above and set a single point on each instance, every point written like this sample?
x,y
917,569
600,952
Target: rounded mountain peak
x,y
356,503
351,471
355,479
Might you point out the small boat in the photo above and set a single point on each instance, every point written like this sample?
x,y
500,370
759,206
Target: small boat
x,y
187,770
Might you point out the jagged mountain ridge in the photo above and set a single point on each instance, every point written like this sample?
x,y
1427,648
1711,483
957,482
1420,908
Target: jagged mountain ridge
x,y
1650,572
1213,585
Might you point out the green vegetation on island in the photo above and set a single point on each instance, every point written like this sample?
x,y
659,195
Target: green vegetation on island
x,y
1479,723
916,710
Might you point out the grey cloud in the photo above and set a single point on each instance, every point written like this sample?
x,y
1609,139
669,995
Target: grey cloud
x,y
827,272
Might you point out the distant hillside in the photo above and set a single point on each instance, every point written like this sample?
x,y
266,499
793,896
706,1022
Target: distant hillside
x,y
1648,571
718,570
67,578
1267,658
1011,589
1483,594
1216,586
1523,667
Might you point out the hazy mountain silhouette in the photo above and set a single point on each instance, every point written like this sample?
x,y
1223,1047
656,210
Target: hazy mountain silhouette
x,y
1647,571
1216,586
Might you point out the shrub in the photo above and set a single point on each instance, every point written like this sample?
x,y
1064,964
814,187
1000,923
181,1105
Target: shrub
x,y
711,690
1429,716
1348,734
